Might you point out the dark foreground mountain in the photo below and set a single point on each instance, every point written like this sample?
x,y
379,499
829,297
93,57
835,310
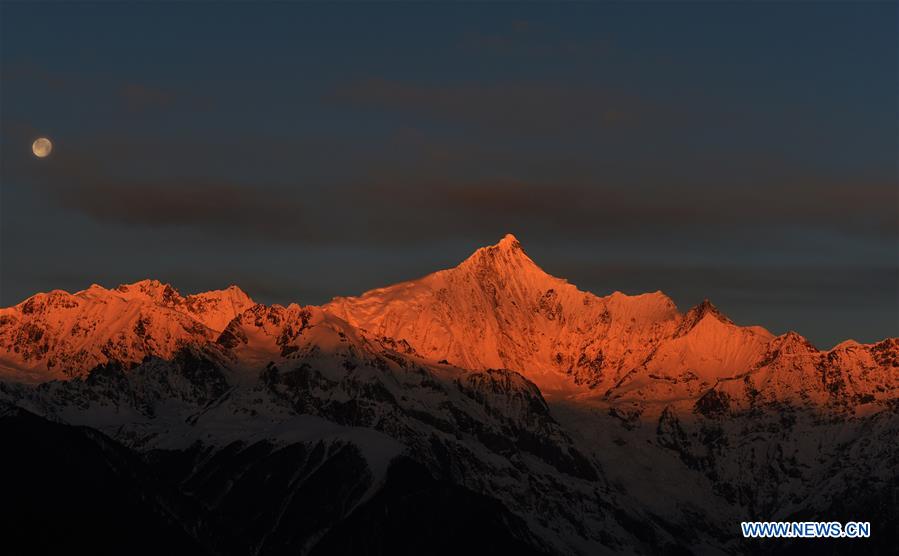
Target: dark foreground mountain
x,y
487,408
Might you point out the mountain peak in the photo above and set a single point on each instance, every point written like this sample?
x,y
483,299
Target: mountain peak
x,y
158,292
792,343
706,307
216,308
698,313
510,242
507,257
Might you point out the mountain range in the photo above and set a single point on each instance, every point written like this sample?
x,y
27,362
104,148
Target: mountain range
x,y
488,407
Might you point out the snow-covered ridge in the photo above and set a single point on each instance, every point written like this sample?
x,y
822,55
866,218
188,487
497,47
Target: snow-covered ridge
x,y
59,334
497,309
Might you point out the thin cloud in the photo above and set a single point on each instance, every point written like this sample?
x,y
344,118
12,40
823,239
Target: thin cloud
x,y
863,210
405,208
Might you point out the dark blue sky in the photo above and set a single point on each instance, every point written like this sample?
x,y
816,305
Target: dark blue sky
x,y
745,153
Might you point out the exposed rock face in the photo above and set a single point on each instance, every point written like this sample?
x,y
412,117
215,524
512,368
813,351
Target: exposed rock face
x,y
571,423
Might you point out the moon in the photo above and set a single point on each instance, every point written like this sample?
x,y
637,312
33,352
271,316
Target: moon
x,y
42,147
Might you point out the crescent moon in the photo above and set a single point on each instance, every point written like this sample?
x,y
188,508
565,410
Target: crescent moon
x,y
42,147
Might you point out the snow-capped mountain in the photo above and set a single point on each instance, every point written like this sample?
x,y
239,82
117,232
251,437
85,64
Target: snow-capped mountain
x,y
59,335
499,309
516,410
